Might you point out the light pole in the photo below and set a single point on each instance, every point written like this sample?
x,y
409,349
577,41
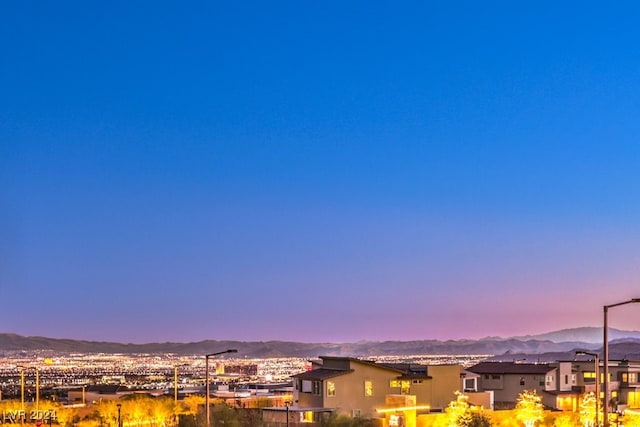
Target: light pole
x,y
37,389
206,368
175,383
22,368
287,405
119,405
175,380
605,406
597,372
22,387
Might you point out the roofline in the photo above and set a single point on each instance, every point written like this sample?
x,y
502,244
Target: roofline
x,y
363,361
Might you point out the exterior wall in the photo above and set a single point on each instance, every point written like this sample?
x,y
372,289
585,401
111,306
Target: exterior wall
x,y
627,377
506,388
564,378
480,398
442,387
337,363
308,400
350,396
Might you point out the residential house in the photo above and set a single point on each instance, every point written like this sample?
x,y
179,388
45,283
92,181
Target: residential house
x,y
360,387
506,380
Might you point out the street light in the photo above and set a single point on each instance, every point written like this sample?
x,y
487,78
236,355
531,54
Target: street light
x,y
175,380
21,387
206,367
22,368
597,372
605,406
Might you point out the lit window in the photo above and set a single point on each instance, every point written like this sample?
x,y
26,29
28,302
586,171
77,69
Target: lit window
x,y
406,387
331,389
368,388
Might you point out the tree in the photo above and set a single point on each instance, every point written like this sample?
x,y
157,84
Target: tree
x,y
529,408
588,409
478,419
460,414
458,411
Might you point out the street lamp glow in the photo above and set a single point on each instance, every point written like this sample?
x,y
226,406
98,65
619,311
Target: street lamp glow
x,y
206,364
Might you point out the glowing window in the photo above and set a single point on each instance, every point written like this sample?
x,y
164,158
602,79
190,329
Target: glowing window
x,y
331,389
306,417
368,388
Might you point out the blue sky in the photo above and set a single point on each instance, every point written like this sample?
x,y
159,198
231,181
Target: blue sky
x,y
317,171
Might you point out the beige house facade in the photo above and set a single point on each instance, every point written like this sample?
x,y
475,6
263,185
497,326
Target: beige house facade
x,y
359,387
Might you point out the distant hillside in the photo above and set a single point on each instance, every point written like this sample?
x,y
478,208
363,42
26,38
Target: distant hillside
x,y
618,350
567,341
584,334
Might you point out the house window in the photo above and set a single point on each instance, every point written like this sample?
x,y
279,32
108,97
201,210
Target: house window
x,y
495,377
307,386
316,387
403,385
566,379
469,384
368,388
591,376
573,378
521,380
331,389
549,379
406,387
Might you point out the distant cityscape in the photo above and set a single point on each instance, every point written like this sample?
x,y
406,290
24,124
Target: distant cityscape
x,y
156,374
385,389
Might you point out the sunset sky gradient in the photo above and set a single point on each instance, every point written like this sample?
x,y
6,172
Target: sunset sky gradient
x,y
317,171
